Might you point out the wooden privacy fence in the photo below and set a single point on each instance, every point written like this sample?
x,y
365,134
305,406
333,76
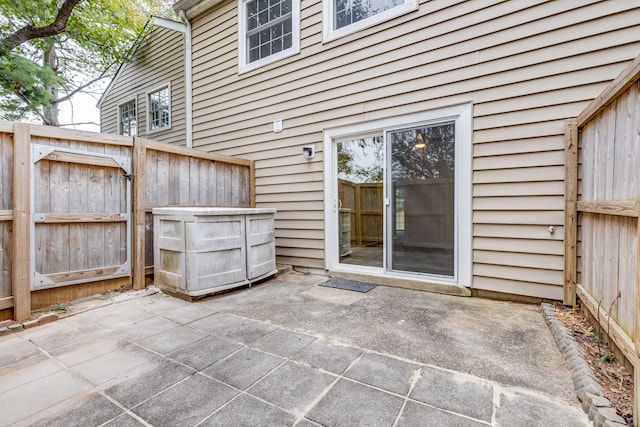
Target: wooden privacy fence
x,y
365,204
75,208
602,208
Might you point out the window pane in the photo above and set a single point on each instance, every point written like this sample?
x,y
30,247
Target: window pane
x,y
348,12
159,109
423,182
286,7
128,122
271,30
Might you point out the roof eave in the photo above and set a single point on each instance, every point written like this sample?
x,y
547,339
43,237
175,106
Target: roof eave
x,y
194,8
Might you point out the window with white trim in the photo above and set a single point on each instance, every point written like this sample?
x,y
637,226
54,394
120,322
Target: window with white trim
x,y
159,109
269,30
342,17
127,118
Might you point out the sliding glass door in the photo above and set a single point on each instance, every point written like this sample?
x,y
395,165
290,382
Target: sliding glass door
x,y
360,166
421,190
400,195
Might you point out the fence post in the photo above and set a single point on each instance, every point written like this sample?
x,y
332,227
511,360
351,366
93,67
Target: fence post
x,y
252,184
139,184
570,211
21,250
636,338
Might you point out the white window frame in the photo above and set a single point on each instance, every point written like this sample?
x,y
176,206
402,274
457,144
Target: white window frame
x,y
148,112
463,116
243,64
328,19
135,105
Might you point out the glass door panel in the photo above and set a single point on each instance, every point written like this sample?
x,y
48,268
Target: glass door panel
x,y
422,199
360,166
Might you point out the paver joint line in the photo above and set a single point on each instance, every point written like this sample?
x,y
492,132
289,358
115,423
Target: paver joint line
x,y
295,355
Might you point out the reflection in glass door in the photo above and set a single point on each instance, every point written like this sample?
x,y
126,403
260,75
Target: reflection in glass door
x,y
360,166
422,199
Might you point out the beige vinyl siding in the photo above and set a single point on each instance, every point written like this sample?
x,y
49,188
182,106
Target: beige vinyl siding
x,y
158,60
526,66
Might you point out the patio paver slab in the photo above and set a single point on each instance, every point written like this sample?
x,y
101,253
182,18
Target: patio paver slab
x,y
92,409
55,335
510,359
27,370
187,403
205,352
352,404
124,420
187,314
89,349
123,316
283,343
172,340
526,410
247,411
292,387
140,384
454,392
248,331
416,415
111,365
244,368
147,328
15,348
384,372
36,396
331,358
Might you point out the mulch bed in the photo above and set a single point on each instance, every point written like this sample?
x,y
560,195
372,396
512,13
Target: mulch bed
x,y
616,381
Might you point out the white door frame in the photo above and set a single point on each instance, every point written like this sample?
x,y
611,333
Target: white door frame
x,y
462,114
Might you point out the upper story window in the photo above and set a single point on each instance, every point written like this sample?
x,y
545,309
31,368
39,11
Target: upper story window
x,y
159,108
127,118
269,30
342,17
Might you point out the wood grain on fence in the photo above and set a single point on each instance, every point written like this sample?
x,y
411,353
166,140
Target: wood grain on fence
x,y
75,208
608,207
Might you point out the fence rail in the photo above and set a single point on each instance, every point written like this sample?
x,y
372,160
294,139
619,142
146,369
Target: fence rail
x,y
602,252
75,208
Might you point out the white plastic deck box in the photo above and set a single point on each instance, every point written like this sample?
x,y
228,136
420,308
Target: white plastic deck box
x,y
199,251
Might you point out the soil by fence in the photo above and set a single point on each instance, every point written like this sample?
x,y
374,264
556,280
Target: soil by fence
x,y
75,208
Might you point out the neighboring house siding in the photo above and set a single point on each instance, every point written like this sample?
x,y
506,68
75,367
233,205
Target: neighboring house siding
x,y
526,66
158,60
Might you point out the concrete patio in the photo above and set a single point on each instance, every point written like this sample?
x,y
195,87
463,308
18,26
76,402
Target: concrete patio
x,y
290,353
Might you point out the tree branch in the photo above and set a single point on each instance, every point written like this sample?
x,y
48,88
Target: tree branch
x,y
76,90
81,87
29,32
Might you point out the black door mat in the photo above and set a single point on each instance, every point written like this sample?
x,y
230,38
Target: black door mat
x,y
348,285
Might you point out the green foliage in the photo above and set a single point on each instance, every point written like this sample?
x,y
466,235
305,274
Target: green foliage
x,y
99,35
361,160
607,358
22,84
435,160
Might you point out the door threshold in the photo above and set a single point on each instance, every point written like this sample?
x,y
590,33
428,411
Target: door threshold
x,y
428,285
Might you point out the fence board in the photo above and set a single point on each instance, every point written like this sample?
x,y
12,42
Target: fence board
x,y
21,268
608,210
5,259
6,215
79,231
176,176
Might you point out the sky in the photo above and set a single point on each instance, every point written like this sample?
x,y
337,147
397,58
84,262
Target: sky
x,y
81,109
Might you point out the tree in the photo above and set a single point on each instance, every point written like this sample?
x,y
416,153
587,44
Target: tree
x,y
51,50
436,159
361,160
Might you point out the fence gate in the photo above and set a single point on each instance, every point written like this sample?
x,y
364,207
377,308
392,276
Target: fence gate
x,y
81,222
